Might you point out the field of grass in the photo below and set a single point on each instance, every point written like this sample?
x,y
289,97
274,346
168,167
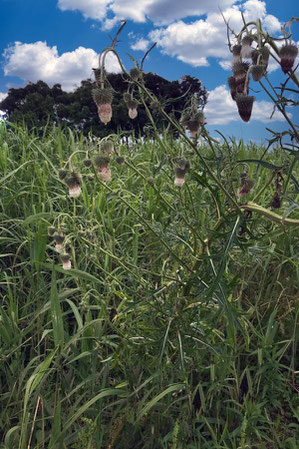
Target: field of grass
x,y
176,326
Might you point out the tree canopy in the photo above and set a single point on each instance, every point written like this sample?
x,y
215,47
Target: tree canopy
x,y
37,104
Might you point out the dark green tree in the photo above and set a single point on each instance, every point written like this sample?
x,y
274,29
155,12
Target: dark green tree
x,y
37,104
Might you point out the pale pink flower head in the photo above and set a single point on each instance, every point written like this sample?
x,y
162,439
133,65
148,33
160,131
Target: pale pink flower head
x,y
74,186
183,166
66,261
104,173
246,49
59,239
103,99
102,164
105,113
133,113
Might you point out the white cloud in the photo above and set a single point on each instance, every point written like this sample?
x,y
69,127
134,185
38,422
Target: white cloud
x,y
222,110
141,44
38,61
2,96
195,42
159,11
94,9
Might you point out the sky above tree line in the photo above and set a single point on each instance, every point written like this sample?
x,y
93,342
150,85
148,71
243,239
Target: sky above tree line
x,y
58,41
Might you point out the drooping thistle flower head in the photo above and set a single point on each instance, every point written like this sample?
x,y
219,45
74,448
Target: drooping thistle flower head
x,y
232,86
183,166
195,123
276,201
132,108
66,261
245,104
108,147
185,117
265,55
103,99
288,55
135,73
240,70
131,104
59,239
246,46
258,71
246,185
102,164
73,183
236,50
120,160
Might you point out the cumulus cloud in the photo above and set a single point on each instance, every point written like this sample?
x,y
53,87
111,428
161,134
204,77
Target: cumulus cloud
x,y
141,44
94,9
38,61
158,11
2,96
222,110
195,42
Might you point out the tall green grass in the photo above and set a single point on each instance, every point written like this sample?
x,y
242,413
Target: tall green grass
x,y
146,342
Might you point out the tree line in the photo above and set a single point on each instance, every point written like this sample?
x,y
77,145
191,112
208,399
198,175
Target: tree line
x,y
37,104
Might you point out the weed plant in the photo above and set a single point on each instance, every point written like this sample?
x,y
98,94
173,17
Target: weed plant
x,y
149,291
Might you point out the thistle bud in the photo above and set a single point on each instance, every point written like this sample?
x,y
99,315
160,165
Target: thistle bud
x,y
120,160
108,146
246,47
150,181
87,163
127,97
62,174
185,119
135,73
51,231
74,186
288,55
155,106
245,104
257,72
66,261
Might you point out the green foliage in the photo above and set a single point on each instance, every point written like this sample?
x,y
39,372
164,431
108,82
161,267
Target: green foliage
x,y
37,104
147,342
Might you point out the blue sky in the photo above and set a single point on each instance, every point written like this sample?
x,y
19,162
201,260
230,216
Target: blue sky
x,y
58,41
